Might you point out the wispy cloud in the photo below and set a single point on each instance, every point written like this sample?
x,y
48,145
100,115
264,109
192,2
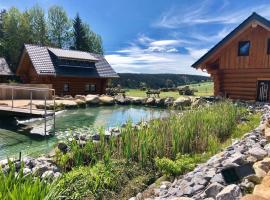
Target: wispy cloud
x,y
155,56
202,14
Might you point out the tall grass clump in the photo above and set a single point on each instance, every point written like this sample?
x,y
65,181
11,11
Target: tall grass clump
x,y
21,187
193,131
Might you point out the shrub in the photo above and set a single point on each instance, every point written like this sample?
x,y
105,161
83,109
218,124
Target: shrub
x,y
181,165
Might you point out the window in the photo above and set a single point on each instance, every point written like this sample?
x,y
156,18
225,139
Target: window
x,y
93,88
268,46
243,49
66,87
87,88
90,88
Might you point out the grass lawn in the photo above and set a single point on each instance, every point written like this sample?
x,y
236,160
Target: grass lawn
x,y
204,89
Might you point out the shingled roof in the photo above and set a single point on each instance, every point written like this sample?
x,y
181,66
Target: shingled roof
x,y
44,63
4,68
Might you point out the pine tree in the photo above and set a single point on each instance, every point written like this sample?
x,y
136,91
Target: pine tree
x,y
79,34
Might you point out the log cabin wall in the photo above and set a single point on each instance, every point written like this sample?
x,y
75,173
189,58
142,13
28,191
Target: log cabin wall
x,y
237,76
77,85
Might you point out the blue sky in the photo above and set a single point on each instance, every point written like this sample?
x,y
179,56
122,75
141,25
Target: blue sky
x,y
156,36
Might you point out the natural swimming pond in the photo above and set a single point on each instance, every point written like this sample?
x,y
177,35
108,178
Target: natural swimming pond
x,y
12,141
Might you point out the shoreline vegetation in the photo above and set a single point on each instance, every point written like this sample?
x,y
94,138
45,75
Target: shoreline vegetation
x,y
122,166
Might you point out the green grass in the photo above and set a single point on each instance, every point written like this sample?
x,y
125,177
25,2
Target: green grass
x,y
114,180
204,89
16,186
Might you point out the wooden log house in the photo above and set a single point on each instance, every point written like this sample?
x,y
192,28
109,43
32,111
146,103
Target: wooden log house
x,y
240,63
69,72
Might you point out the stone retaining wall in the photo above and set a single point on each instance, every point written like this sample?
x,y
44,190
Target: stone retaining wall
x,y
206,181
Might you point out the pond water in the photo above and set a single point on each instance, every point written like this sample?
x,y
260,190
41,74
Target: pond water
x,y
12,141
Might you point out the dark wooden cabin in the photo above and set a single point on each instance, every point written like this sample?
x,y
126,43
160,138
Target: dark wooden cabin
x,y
69,72
5,72
240,63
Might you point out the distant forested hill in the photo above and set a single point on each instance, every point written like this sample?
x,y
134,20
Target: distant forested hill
x,y
129,80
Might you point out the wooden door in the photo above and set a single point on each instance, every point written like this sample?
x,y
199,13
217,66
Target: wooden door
x,y
263,90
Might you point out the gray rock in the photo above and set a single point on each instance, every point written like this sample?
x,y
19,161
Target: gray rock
x,y
197,188
62,147
213,189
210,174
139,196
267,149
26,171
40,169
231,192
121,100
238,158
182,102
258,152
150,101
57,175
168,101
92,99
218,178
187,190
47,175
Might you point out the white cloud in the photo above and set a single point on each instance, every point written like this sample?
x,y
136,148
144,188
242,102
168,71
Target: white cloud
x,y
202,14
165,42
142,60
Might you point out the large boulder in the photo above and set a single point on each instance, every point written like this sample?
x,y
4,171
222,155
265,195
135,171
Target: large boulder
x,y
80,103
121,100
106,100
160,102
253,197
168,101
231,192
150,101
182,102
68,104
213,189
92,99
198,103
81,97
262,191
258,152
137,100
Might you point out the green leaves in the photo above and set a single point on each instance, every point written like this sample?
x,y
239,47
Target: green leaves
x,y
16,186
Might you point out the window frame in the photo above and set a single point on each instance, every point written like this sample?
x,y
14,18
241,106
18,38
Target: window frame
x,y
87,87
93,86
66,84
241,43
268,46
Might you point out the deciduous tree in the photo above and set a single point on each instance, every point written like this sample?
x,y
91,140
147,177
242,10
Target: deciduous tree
x,y
59,27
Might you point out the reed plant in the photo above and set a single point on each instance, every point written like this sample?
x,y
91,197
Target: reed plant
x,y
193,131
17,186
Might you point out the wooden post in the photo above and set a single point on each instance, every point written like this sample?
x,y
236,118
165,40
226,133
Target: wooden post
x,y
12,97
45,128
31,97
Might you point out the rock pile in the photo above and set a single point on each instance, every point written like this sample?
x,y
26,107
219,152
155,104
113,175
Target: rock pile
x,y
206,180
42,167
94,100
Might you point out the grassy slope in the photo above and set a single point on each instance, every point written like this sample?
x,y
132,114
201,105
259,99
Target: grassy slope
x,y
204,89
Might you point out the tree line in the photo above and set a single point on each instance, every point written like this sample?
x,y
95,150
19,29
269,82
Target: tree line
x,y
54,28
155,81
